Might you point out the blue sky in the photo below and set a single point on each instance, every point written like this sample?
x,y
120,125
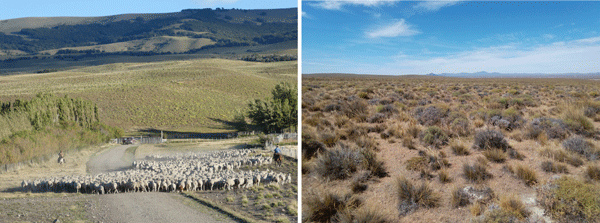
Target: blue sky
x,y
10,9
402,37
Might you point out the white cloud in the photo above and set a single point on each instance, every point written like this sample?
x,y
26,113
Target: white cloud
x,y
435,5
399,28
306,15
548,36
337,4
577,56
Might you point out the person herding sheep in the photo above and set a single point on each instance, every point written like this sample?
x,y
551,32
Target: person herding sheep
x,y
61,158
277,155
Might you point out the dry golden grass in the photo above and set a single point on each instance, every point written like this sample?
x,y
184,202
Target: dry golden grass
x,y
517,109
188,95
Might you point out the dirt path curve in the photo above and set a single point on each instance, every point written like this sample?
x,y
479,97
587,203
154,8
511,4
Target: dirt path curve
x,y
113,159
140,207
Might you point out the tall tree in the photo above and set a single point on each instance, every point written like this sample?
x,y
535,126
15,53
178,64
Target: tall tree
x,y
277,113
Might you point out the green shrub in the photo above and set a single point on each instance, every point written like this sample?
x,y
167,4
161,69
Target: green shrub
x,y
435,136
571,200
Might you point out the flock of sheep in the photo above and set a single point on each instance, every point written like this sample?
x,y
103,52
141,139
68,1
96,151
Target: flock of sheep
x,y
191,172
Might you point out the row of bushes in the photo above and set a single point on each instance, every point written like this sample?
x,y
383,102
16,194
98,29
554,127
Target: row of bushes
x,y
48,123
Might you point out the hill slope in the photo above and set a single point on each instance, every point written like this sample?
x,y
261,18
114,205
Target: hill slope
x,y
213,28
184,95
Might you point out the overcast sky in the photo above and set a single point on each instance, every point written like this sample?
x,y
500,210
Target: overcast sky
x,y
400,37
10,9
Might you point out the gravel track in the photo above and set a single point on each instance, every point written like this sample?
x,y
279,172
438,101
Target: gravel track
x,y
139,207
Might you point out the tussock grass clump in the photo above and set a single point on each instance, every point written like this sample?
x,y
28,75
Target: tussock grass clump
x,y
553,167
324,206
570,200
435,136
593,172
371,163
562,155
459,149
310,146
365,214
526,174
514,206
338,163
407,142
490,139
356,108
459,197
444,176
477,209
495,155
573,116
476,172
329,138
413,197
416,163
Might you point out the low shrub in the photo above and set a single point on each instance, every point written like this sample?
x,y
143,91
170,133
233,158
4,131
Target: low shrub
x,y
553,167
581,146
571,200
413,197
490,139
338,163
435,136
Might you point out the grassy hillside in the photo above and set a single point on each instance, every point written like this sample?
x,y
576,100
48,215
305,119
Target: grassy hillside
x,y
189,95
204,28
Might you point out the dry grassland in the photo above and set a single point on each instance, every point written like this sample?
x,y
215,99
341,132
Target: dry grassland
x,y
434,149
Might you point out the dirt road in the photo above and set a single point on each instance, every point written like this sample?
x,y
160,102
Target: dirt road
x,y
113,159
141,207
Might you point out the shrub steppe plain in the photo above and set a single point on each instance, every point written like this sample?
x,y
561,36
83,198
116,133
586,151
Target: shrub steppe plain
x,y
437,149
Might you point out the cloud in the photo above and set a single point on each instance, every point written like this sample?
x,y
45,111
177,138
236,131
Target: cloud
x,y
435,5
306,15
548,36
577,56
337,4
399,28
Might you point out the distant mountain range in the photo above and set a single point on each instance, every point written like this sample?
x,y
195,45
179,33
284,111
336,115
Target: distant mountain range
x,y
188,31
483,74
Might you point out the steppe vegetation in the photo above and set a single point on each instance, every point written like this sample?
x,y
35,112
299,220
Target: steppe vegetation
x,y
201,95
435,149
